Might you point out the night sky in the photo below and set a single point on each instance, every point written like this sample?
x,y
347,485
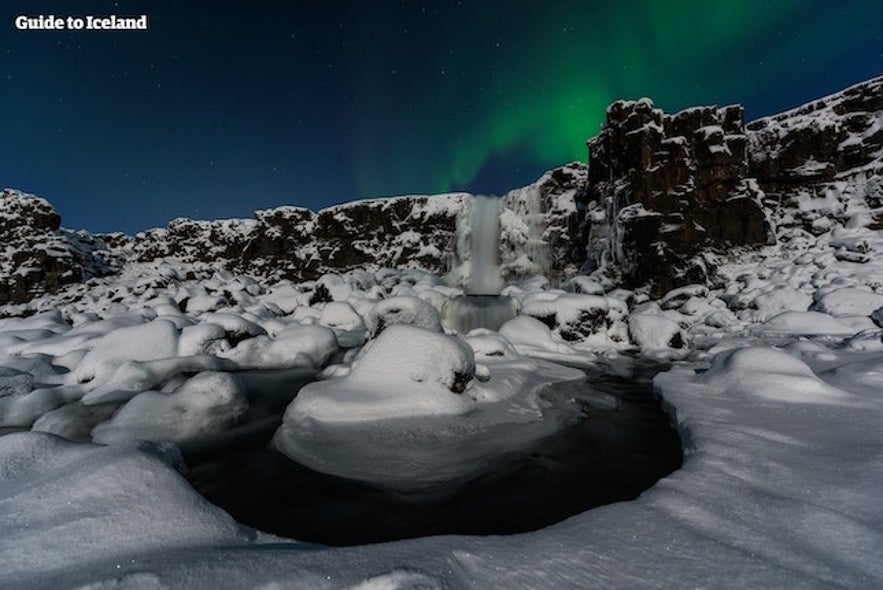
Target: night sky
x,y
223,108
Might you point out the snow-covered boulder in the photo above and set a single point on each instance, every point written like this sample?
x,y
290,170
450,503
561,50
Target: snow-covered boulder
x,y
781,299
528,334
405,371
410,416
297,345
653,332
74,421
205,404
412,311
806,322
154,340
848,301
577,317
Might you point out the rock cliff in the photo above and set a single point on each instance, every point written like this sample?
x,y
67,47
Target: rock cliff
x,y
822,163
664,189
37,255
667,192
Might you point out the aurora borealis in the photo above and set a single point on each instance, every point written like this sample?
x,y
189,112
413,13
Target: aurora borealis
x,y
221,109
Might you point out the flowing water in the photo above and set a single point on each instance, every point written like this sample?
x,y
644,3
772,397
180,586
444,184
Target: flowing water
x,y
484,277
468,312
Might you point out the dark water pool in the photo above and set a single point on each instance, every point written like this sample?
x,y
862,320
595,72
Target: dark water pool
x,y
612,454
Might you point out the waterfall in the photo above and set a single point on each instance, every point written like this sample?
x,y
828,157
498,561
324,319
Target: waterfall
x,y
484,275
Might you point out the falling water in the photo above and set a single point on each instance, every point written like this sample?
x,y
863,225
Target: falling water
x,y
482,306
484,277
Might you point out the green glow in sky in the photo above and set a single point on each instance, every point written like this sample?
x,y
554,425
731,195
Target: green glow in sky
x,y
534,82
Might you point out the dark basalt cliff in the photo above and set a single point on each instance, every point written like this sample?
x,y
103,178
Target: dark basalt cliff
x,y
286,242
670,187
37,256
822,163
665,192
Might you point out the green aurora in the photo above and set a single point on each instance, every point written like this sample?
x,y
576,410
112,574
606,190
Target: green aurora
x,y
536,89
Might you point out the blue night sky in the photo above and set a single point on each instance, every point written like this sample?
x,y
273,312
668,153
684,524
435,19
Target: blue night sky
x,y
223,108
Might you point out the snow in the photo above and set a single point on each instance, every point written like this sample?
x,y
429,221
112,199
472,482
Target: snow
x,y
104,506
761,500
849,301
529,335
402,310
770,375
205,404
405,371
297,345
412,416
806,322
154,340
652,331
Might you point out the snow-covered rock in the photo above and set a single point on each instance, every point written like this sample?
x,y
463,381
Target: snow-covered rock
x,y
37,256
297,345
205,404
405,371
406,310
416,414
154,340
652,331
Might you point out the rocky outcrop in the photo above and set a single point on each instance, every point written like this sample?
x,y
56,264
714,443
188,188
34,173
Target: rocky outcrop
x,y
665,189
399,232
822,163
541,226
37,256
296,243
665,192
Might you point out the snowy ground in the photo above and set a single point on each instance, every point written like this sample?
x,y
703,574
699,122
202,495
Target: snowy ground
x,y
777,392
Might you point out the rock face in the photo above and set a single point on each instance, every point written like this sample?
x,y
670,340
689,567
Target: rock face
x,y
541,226
296,243
822,163
293,242
663,189
665,192
37,256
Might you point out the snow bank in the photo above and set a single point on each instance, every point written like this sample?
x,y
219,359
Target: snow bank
x,y
768,374
96,507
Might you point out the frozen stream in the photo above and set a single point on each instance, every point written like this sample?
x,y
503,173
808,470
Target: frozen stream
x,y
621,446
